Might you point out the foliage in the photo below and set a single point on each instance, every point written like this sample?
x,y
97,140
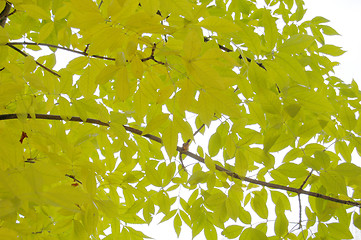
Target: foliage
x,y
93,145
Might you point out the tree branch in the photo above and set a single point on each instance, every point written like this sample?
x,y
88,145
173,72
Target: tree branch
x,y
194,156
84,53
41,65
5,13
206,39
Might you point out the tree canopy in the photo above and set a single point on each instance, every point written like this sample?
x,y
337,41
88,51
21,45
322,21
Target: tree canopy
x,y
97,148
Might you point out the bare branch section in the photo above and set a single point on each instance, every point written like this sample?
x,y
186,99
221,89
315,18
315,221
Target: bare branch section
x,y
192,155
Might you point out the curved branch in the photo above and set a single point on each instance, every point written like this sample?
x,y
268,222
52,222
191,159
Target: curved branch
x,y
194,156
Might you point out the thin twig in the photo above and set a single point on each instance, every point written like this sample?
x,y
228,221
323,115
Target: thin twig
x,y
304,182
300,211
84,53
194,156
41,65
206,39
200,128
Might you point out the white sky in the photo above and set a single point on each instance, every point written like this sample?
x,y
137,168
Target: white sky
x,y
345,18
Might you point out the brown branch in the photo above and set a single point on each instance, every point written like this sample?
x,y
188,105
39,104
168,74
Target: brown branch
x,y
206,39
200,128
84,53
5,13
151,57
194,156
41,65
304,182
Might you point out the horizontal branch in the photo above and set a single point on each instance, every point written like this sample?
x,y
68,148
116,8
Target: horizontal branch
x,y
84,53
192,155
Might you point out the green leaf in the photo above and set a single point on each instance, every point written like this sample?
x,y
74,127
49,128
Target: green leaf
x,y
210,163
281,225
331,50
232,231
296,44
348,170
328,30
170,139
215,143
252,233
339,230
258,204
218,24
177,223
342,148
155,123
293,170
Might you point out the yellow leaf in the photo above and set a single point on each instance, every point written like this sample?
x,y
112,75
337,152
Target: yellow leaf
x,y
281,225
35,11
106,74
77,64
155,123
177,224
296,43
29,64
121,84
45,31
218,24
170,140
209,163
8,234
192,44
137,67
258,204
4,36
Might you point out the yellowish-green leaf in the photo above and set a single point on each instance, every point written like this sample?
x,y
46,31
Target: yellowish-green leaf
x,y
209,163
270,137
258,204
250,38
293,170
296,44
35,11
214,145
339,230
155,123
7,233
45,31
281,225
331,50
170,140
348,170
252,233
192,45
270,28
177,223
122,88
106,74
232,231
342,148
218,24
333,182
347,118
